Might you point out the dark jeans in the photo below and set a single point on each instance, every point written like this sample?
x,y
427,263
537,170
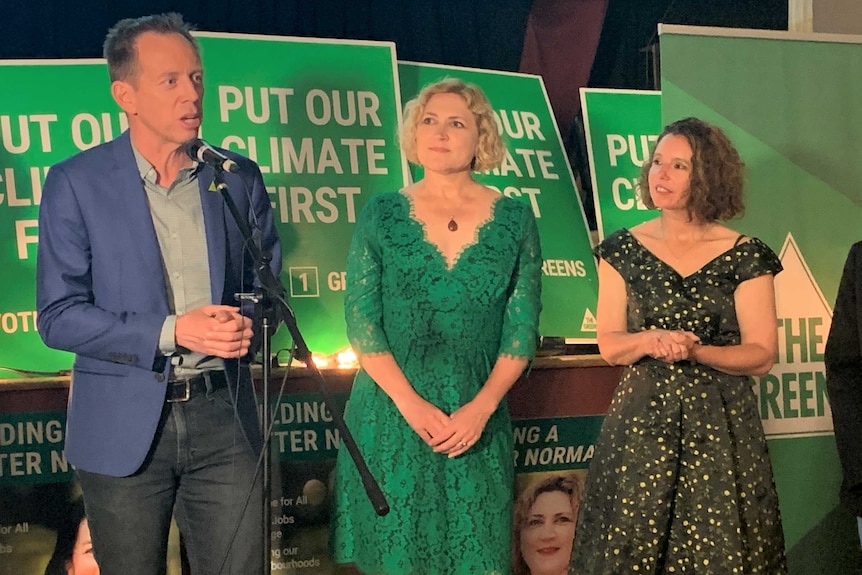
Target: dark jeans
x,y
200,467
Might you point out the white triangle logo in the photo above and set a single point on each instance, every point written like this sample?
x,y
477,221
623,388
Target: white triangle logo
x,y
792,398
589,321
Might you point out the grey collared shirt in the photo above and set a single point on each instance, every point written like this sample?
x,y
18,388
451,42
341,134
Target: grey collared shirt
x,y
179,223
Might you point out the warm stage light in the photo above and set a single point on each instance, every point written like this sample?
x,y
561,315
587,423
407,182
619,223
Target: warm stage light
x,y
320,360
347,359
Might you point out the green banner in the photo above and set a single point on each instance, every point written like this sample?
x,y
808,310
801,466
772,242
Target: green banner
x,y
31,448
303,429
40,127
36,482
621,127
535,171
554,444
788,102
304,447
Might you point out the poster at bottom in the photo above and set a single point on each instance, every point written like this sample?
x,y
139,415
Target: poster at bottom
x,y
41,506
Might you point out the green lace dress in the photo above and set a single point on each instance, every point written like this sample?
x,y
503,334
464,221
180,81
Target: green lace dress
x,y
680,481
445,328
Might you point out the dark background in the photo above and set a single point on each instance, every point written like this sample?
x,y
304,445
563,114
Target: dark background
x,y
475,33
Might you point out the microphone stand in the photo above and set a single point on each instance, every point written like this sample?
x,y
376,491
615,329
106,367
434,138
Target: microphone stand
x,y
275,309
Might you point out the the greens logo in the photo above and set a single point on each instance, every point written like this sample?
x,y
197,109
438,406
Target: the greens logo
x,y
792,397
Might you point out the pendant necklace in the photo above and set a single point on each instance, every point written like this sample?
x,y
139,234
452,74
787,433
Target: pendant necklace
x,y
453,225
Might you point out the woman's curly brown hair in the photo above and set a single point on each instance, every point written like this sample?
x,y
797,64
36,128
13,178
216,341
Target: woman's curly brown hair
x,y
489,149
717,172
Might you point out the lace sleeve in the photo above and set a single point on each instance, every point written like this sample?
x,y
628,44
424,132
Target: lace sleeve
x,y
521,323
363,302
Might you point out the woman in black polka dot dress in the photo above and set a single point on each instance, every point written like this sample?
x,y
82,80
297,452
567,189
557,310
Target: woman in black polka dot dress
x,y
681,480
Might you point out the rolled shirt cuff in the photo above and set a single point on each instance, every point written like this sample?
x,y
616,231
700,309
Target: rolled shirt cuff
x,y
167,339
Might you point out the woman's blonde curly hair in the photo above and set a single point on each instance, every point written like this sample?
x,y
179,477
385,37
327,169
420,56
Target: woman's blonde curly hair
x,y
489,149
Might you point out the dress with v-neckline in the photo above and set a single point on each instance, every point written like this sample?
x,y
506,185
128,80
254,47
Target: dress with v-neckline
x,y
450,265
739,240
680,479
445,327
659,297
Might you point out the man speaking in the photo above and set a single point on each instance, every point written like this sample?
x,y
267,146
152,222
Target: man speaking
x,y
138,264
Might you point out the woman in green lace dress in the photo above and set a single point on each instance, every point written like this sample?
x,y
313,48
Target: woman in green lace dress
x,y
442,308
680,481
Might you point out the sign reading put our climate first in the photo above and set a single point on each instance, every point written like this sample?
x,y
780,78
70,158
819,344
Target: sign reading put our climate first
x,y
320,118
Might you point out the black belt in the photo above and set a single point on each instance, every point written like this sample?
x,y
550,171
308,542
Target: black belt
x,y
180,390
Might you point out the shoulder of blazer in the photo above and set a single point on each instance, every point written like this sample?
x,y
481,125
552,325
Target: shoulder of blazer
x,y
118,150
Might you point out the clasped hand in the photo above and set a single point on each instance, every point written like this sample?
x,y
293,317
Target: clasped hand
x,y
452,434
672,346
218,330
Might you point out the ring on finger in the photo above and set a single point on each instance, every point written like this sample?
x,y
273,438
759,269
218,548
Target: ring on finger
x,y
463,444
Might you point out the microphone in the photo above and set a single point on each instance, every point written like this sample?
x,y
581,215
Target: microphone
x,y
199,150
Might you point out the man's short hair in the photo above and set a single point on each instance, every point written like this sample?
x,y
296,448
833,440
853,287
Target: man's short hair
x,y
119,46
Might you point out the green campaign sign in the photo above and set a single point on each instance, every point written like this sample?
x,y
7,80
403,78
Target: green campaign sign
x,y
555,443
320,118
303,428
621,127
535,171
31,448
38,128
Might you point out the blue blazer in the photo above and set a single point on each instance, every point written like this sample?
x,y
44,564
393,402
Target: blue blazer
x,y
101,294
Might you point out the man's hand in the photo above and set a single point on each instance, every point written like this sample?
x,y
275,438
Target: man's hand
x,y
218,330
